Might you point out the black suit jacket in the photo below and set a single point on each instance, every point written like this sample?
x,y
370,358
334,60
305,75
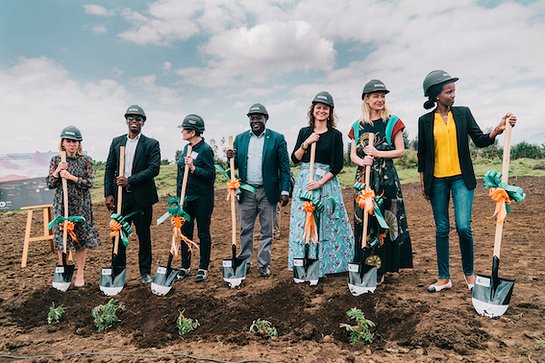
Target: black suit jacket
x,y
147,161
465,126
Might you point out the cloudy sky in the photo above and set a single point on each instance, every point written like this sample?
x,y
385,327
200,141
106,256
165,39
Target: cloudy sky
x,y
82,63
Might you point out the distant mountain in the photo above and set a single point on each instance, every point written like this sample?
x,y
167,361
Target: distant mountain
x,y
537,139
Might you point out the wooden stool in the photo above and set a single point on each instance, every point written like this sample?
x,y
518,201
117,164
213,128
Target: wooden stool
x,y
47,235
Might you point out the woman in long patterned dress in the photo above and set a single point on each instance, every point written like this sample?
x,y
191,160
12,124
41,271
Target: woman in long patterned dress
x,y
335,237
391,245
79,173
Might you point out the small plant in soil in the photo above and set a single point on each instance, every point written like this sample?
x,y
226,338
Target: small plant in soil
x,y
106,315
360,333
185,324
539,344
55,314
263,328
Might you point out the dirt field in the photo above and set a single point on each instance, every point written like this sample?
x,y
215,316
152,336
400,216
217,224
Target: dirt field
x,y
412,325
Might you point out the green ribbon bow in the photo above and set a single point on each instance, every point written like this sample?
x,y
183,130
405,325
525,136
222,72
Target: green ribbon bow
x,y
315,200
60,219
377,203
175,209
492,179
126,229
244,186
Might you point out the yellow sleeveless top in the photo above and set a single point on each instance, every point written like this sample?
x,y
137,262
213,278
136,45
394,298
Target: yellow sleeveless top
x,y
446,161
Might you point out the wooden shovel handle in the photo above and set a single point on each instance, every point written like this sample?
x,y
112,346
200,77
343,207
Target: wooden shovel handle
x,y
504,179
120,192
233,207
367,179
186,174
311,176
65,207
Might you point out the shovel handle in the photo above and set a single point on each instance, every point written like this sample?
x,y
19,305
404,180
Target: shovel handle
x,y
367,179
311,177
186,174
119,192
504,179
233,207
65,207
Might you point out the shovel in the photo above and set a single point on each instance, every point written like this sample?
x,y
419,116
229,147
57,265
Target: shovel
x,y
62,277
166,275
362,278
112,278
307,269
491,294
233,269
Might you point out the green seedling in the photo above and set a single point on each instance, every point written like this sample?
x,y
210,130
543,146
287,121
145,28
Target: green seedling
x,y
184,324
539,344
105,315
55,314
360,333
263,328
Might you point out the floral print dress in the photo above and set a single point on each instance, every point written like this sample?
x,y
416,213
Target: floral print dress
x,y
79,202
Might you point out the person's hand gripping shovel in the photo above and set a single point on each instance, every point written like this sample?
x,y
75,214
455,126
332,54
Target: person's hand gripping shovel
x,y
233,269
165,276
62,276
362,278
306,269
491,294
112,278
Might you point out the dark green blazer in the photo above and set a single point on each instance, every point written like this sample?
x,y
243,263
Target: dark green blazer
x,y
466,127
147,161
275,163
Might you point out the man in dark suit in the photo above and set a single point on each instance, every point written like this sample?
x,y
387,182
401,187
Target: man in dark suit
x,y
142,163
261,156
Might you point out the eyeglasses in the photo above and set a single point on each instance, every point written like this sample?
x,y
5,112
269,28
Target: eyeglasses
x,y
134,118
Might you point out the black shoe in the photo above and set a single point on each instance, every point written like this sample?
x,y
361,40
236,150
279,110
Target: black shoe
x,y
183,273
264,271
145,279
201,275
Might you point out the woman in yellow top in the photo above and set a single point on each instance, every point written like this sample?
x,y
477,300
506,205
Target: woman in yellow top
x,y
445,167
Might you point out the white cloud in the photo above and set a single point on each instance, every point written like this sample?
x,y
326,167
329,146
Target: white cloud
x,y
99,29
166,67
164,95
98,10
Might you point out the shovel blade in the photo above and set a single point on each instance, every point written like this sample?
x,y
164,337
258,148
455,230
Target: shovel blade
x,y
361,278
233,271
112,280
306,270
491,301
163,280
62,277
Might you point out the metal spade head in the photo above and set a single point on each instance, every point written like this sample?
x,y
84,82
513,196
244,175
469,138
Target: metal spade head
x,y
112,280
306,269
163,280
491,294
62,277
362,278
233,271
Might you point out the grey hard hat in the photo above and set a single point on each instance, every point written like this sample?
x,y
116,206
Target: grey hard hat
x,y
325,98
436,77
71,133
374,85
258,108
192,122
135,110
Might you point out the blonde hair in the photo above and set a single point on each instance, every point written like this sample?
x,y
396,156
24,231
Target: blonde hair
x,y
79,151
366,111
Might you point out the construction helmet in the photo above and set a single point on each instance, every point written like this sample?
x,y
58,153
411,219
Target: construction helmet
x,y
374,85
71,133
258,108
135,110
435,78
325,98
192,122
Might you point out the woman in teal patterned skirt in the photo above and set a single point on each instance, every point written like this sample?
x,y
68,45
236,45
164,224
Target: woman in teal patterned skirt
x,y
79,174
335,238
392,245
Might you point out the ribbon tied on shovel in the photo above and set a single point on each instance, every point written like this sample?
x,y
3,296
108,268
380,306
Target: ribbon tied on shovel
x,y
311,205
178,217
119,225
370,203
502,194
234,186
70,225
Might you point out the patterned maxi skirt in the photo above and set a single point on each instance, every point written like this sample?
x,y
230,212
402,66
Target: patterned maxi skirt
x,y
336,239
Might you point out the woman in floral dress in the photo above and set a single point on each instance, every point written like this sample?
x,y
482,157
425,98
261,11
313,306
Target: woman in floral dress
x,y
392,245
79,174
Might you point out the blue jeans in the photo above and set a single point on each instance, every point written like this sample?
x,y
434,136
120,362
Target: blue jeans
x,y
463,205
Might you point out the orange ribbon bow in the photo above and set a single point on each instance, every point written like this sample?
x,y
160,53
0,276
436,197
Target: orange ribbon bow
x,y
232,187
310,224
177,223
115,226
365,200
70,230
500,196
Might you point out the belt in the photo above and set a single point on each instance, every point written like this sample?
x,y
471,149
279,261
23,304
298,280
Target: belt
x,y
256,185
